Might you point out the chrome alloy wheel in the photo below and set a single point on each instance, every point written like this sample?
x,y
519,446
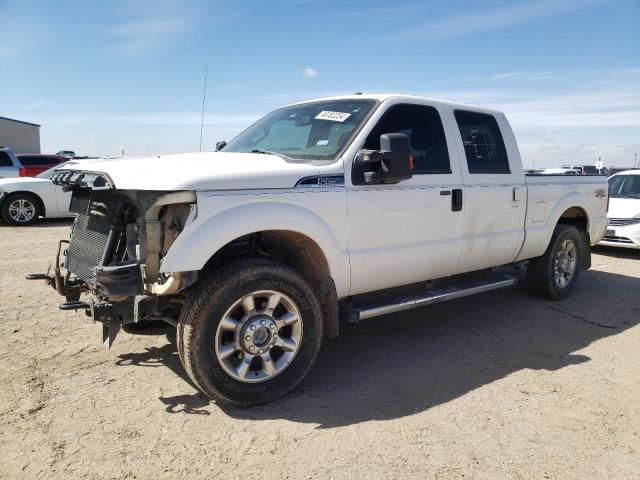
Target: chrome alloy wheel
x,y
565,263
259,336
21,210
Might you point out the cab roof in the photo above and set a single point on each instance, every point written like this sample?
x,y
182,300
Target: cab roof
x,y
381,97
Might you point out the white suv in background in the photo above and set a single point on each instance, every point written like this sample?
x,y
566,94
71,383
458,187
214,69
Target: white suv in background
x,y
623,229
9,164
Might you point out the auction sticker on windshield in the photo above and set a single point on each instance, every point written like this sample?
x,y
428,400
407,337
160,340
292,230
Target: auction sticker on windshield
x,y
333,116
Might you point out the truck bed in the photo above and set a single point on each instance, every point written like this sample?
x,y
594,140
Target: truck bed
x,y
549,196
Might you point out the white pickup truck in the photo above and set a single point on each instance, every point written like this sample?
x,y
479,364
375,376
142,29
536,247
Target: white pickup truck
x,y
319,212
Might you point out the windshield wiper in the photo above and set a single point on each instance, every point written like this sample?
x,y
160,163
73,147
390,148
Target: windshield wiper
x,y
268,152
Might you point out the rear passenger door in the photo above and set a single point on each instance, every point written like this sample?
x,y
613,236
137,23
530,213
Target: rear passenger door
x,y
410,231
494,203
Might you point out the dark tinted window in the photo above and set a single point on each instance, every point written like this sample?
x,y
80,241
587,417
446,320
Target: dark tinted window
x,y
624,186
28,160
5,159
483,144
424,128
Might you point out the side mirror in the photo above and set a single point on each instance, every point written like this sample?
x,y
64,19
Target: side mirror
x,y
220,145
391,164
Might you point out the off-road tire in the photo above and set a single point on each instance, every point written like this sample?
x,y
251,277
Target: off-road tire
x,y
204,309
4,209
540,272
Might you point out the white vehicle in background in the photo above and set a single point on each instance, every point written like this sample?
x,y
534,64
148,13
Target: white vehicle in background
x,y
623,229
556,171
585,169
24,199
66,153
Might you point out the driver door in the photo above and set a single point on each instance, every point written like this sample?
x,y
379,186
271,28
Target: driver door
x,y
410,231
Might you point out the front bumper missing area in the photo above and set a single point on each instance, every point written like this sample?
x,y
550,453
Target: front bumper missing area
x,y
120,287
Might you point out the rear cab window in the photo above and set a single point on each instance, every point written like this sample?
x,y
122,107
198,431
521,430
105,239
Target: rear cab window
x,y
483,143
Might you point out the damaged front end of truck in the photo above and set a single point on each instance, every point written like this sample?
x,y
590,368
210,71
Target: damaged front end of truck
x,y
115,250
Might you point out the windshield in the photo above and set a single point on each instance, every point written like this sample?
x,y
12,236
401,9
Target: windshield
x,y
624,186
309,131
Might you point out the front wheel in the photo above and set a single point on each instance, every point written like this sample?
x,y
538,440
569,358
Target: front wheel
x,y
250,332
554,274
20,209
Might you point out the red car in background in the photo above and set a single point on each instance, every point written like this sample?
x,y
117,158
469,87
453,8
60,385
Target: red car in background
x,y
32,165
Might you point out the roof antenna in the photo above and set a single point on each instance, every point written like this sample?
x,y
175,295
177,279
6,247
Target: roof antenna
x,y
204,97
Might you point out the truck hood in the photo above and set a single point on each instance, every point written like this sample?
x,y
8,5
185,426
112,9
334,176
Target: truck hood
x,y
200,171
623,207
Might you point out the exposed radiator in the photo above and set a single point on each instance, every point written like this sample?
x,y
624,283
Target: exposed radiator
x,y
88,243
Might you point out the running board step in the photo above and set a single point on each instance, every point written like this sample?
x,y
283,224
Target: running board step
x,y
362,312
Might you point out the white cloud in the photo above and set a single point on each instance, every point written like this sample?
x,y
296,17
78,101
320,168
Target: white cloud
x,y
147,26
140,36
502,17
38,104
381,12
576,118
150,25
501,76
554,155
523,76
141,133
310,72
161,118
591,108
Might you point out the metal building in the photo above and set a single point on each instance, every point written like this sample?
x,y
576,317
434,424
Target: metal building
x,y
21,137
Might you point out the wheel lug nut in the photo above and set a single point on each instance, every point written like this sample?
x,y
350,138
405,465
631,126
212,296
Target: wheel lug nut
x,y
248,339
263,323
261,351
252,348
253,327
275,335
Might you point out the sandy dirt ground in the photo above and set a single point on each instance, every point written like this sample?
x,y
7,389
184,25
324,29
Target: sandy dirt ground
x,y
501,385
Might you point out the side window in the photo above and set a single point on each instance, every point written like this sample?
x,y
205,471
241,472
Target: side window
x,y
483,144
423,126
5,160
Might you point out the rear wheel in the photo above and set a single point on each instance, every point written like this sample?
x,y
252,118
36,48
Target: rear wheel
x,y
20,209
554,274
250,332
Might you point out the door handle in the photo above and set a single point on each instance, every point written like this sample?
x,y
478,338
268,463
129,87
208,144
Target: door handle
x,y
516,194
456,200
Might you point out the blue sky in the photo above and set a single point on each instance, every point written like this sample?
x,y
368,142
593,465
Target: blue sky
x,y
127,74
